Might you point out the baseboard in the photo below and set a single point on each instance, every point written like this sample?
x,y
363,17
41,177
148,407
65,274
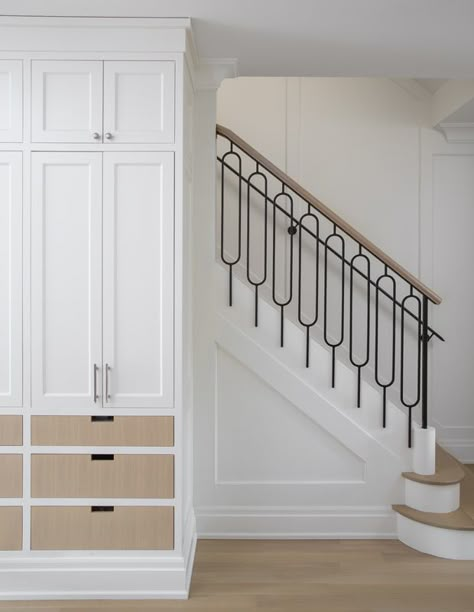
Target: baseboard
x,y
463,450
100,575
321,522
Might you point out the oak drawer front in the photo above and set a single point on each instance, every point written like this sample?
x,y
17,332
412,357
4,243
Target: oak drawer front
x,y
11,528
122,476
102,431
11,430
112,528
11,476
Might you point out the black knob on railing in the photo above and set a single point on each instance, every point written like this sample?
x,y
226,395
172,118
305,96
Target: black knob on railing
x,y
292,230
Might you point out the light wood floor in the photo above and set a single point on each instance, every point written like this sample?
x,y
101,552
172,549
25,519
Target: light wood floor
x,y
306,576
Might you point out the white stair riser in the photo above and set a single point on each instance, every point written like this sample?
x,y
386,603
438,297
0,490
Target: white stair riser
x,y
432,498
445,543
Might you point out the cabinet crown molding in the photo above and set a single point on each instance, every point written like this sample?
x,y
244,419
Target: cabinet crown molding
x,y
100,34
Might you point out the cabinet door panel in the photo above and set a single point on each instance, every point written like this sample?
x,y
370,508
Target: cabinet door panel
x,y
66,101
139,101
138,279
66,273
11,100
10,279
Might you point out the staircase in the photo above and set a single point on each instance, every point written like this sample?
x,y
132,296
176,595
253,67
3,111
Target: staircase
x,y
342,331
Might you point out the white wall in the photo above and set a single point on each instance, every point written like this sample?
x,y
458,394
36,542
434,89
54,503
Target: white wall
x,y
363,147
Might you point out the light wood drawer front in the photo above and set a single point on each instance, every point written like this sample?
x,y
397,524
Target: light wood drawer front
x,y
11,476
122,431
79,528
11,430
81,476
11,528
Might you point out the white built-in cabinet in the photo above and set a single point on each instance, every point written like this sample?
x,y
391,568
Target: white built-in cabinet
x,y
11,100
92,341
102,270
10,278
103,101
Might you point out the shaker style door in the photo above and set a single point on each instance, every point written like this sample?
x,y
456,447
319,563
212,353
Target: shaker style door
x,y
11,279
66,101
11,100
66,279
139,101
138,280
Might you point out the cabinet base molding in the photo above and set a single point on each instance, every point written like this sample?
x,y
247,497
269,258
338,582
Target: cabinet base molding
x,y
102,575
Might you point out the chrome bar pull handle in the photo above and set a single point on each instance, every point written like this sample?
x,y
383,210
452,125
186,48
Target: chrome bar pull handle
x,y
96,397
107,370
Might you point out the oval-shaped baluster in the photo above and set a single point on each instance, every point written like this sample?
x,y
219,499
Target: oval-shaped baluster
x,y
282,262
355,322
392,306
309,242
332,252
417,331
227,228
257,241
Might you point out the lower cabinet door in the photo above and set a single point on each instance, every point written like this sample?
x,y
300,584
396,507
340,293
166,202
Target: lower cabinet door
x,y
138,277
103,476
11,528
102,528
66,279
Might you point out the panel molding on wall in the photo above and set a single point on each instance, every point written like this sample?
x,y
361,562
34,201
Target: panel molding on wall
x,y
263,439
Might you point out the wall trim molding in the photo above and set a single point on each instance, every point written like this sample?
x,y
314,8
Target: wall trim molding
x,y
296,522
212,71
457,132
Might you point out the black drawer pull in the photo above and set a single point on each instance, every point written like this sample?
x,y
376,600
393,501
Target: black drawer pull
x,y
102,457
102,419
102,508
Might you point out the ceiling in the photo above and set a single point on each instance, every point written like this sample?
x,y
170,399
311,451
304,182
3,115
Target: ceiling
x,y
397,38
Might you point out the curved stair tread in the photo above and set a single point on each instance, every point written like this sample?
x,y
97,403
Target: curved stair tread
x,y
461,519
458,519
448,471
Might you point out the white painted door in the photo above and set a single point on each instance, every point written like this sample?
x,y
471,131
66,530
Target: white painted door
x,y
66,279
66,101
138,279
139,101
10,279
11,100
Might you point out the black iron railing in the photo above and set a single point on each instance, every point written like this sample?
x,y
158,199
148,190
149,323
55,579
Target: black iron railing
x,y
391,299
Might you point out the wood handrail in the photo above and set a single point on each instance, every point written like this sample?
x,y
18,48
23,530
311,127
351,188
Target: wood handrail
x,y
329,214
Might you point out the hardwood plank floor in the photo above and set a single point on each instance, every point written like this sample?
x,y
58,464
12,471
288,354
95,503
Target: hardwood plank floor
x,y
305,576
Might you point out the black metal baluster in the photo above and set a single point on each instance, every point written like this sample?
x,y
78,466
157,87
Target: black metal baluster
x,y
329,341
308,324
410,404
257,283
359,364
229,261
424,376
282,302
390,382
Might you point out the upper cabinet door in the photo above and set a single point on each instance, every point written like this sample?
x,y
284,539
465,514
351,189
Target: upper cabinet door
x,y
138,280
10,279
66,101
139,101
66,279
11,100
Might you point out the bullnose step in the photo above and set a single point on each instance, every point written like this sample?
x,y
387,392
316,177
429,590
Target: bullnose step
x,y
458,520
448,471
